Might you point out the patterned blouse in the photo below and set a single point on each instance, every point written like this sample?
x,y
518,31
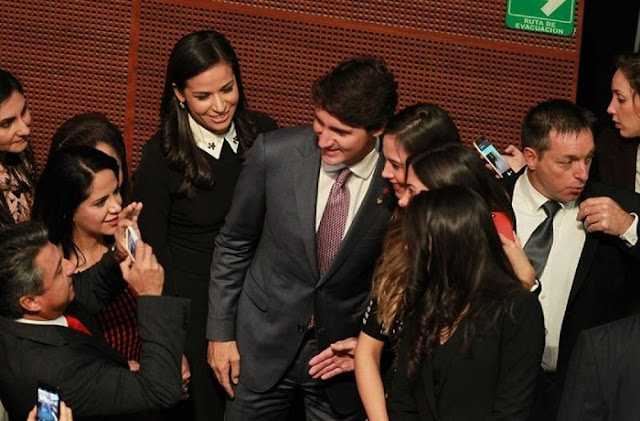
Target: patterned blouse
x,y
17,187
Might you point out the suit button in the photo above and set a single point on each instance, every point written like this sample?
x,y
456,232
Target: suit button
x,y
301,328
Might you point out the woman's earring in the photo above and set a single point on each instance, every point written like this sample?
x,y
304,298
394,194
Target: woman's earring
x,y
182,104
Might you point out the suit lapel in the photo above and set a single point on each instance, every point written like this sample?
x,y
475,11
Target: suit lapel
x,y
587,258
368,212
305,175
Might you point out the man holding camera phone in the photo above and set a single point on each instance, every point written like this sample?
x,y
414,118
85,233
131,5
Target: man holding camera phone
x,y
47,334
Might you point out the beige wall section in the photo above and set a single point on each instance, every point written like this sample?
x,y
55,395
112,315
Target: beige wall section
x,y
110,56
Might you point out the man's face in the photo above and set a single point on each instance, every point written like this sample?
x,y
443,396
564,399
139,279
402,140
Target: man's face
x,y
56,283
561,172
341,144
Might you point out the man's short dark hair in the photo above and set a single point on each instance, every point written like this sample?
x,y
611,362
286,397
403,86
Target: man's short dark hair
x,y
360,92
19,276
556,114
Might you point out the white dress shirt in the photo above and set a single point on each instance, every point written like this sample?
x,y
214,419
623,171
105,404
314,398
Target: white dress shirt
x,y
358,184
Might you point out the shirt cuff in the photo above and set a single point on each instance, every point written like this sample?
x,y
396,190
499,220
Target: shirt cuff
x,y
630,236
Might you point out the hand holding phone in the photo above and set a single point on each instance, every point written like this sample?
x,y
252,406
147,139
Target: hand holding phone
x,y
48,403
493,157
132,240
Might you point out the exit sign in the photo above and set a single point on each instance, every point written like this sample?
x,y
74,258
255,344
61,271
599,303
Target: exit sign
x,y
553,17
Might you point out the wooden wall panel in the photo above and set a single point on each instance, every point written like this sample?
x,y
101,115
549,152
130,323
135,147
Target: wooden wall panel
x,y
75,56
71,57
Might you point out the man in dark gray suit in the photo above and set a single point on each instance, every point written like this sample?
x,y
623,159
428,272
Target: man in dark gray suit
x,y
292,266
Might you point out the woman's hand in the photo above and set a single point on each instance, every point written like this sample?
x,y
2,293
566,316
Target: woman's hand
x,y
519,261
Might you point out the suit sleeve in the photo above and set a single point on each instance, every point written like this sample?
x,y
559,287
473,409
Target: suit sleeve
x,y
93,386
582,398
236,243
521,354
151,187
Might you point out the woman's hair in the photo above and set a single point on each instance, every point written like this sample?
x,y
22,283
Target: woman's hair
x,y
629,65
422,126
457,165
192,55
64,184
15,163
456,264
91,129
448,165
8,85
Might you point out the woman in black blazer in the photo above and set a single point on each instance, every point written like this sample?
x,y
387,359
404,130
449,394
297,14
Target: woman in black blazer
x,y
473,337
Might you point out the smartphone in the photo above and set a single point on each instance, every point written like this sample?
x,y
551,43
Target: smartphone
x,y
48,403
132,240
493,157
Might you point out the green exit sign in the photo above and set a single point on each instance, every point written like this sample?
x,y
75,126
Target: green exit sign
x,y
549,16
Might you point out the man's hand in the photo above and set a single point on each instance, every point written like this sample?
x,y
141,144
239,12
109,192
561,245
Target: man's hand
x,y
605,215
224,359
336,359
65,413
519,261
514,157
128,217
186,377
146,275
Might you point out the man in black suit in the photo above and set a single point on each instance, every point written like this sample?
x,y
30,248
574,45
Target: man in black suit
x,y
585,281
603,376
283,316
46,335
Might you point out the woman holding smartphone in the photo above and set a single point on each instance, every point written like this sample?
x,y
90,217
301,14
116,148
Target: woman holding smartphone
x,y
16,160
82,218
186,180
473,338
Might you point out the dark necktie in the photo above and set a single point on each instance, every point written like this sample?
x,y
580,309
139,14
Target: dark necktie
x,y
539,244
333,222
76,324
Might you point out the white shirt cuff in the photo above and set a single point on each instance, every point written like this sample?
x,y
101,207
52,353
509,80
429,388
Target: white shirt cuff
x,y
630,236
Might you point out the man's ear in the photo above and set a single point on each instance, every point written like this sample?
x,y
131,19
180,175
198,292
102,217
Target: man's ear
x,y
378,132
531,157
177,93
29,303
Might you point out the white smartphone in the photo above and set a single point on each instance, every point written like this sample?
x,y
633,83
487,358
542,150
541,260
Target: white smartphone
x,y
493,157
132,240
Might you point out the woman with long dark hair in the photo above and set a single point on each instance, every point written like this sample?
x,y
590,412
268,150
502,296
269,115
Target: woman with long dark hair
x,y
16,160
473,337
186,180
78,199
451,164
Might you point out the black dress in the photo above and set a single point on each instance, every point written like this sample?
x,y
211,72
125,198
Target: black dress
x,y
181,231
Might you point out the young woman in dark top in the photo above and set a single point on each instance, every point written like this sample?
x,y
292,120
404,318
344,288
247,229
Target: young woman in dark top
x,y
472,339
186,180
16,160
118,321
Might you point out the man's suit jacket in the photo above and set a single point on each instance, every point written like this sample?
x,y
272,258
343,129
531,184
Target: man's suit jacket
x,y
603,289
265,283
602,381
495,378
94,380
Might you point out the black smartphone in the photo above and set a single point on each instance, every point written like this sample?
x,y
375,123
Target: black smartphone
x,y
48,403
493,157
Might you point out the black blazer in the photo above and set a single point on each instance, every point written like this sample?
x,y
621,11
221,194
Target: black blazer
x,y
615,159
494,379
602,381
94,380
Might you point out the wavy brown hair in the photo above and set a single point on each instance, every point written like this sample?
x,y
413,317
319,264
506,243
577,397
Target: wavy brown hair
x,y
456,265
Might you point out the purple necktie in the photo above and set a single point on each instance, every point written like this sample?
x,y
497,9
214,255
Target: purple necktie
x,y
333,222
